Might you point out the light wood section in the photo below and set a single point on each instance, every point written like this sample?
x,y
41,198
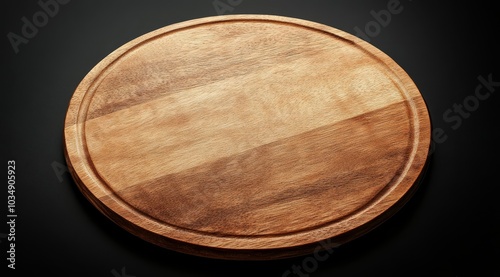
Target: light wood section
x,y
247,136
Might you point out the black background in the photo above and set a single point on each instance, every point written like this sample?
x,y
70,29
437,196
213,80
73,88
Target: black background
x,y
449,228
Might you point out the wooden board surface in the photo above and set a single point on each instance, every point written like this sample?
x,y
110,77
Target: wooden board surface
x,y
247,136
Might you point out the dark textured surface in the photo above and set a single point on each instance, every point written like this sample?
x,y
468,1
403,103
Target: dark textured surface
x,y
449,228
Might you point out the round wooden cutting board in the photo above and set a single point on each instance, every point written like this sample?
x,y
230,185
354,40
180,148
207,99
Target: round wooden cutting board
x,y
247,137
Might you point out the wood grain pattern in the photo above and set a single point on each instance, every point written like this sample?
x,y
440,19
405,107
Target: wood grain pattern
x,y
247,136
